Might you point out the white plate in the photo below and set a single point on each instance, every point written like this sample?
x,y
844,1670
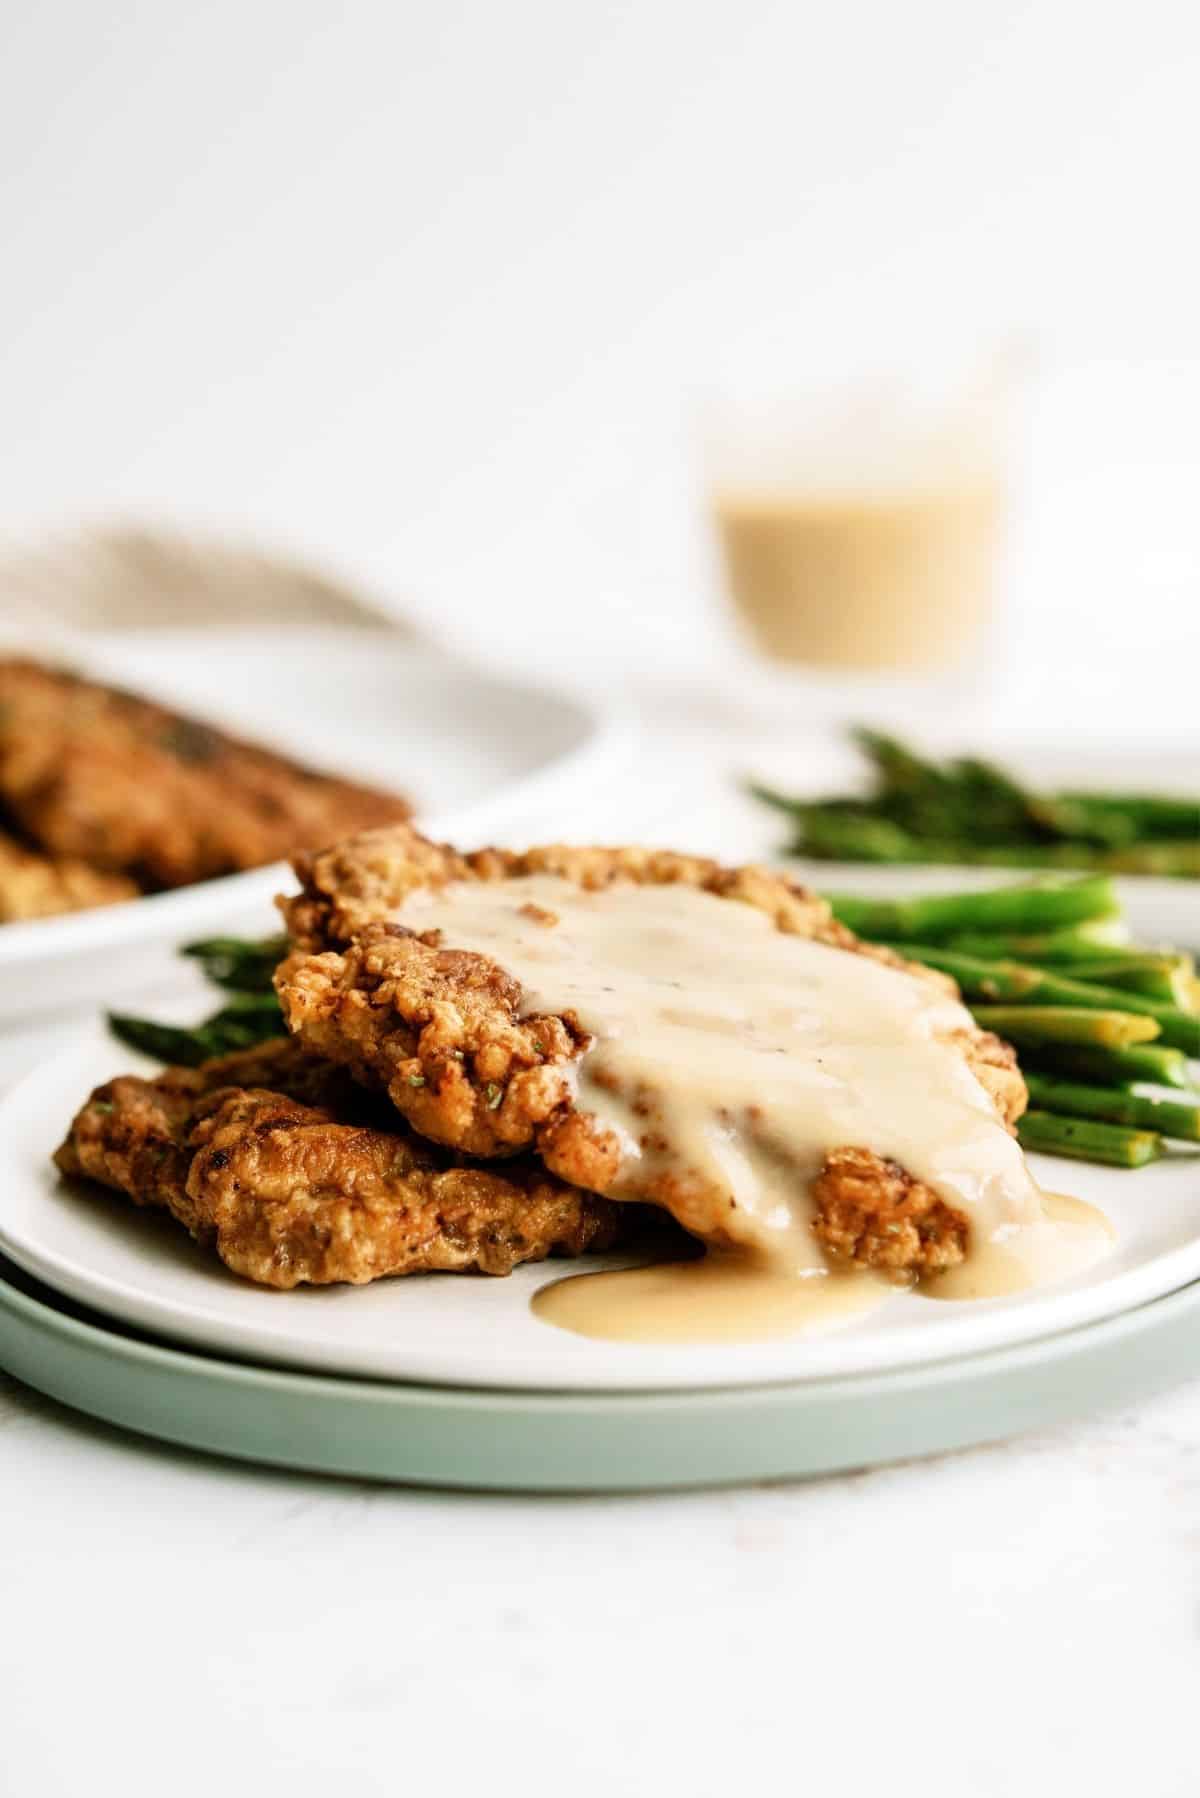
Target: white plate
x,y
480,754
446,1329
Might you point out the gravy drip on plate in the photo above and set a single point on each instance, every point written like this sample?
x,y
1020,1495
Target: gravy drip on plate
x,y
719,1298
1070,1236
730,1059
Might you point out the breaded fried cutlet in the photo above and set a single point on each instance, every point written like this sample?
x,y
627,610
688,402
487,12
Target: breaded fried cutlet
x,y
135,789
448,1034
44,886
289,1192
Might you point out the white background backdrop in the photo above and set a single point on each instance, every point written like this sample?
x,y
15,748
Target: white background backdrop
x,y
429,290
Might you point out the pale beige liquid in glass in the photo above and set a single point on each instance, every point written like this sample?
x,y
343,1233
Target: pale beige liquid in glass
x,y
887,580
864,581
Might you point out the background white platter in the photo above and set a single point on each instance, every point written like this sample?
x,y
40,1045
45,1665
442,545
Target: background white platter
x,y
476,752
143,1270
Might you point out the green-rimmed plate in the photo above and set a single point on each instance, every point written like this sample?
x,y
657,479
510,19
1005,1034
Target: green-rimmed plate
x,y
534,1441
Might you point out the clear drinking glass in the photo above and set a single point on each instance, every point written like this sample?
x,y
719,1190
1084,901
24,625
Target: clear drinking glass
x,y
861,519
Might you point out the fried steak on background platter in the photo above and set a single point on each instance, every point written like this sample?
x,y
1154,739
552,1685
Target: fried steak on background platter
x,y
142,794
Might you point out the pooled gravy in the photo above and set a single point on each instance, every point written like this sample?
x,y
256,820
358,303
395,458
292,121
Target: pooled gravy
x,y
1059,1246
719,1298
731,1059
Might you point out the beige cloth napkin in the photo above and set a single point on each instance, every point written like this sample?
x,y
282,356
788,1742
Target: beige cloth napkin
x,y
127,578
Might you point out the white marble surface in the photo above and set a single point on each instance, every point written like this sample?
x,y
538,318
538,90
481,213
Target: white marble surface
x,y
1020,1619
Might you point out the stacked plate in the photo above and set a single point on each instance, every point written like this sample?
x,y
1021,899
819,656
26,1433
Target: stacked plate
x,y
456,1381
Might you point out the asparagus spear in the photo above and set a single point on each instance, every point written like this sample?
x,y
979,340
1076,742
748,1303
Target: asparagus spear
x,y
1170,860
1040,986
1159,974
972,799
987,980
996,808
1143,1062
248,1019
1088,1141
1023,1024
842,833
1179,1028
969,810
1176,861
795,807
928,917
1145,814
1164,977
1002,811
849,832
1173,860
1097,939
1169,1117
242,965
900,768
931,801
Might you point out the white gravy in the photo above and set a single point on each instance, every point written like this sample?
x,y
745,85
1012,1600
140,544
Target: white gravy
x,y
733,1058
718,1298
1071,1234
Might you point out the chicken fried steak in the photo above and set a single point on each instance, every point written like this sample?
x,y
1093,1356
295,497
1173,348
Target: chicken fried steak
x,y
133,789
296,1189
658,1027
45,886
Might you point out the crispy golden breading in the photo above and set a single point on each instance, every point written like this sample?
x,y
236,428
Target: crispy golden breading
x,y
870,1213
42,886
289,1193
132,1135
130,787
444,1032
292,1195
